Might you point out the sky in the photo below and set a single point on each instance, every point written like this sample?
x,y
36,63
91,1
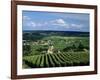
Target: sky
x,y
55,21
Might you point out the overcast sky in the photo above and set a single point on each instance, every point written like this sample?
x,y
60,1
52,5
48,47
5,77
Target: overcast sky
x,y
33,20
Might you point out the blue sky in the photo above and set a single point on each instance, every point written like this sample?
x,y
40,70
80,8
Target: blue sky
x,y
33,20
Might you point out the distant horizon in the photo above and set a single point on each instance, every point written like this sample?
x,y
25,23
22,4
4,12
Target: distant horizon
x,y
56,30
51,21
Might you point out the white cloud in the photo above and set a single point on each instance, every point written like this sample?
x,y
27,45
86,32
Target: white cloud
x,y
76,25
75,16
55,23
39,24
26,18
32,24
60,22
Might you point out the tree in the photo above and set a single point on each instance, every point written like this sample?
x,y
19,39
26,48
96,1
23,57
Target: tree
x,y
27,49
80,47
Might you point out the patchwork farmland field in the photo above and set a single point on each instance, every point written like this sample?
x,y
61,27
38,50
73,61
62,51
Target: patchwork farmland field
x,y
55,49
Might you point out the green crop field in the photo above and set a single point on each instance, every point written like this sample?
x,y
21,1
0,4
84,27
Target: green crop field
x,y
57,60
55,49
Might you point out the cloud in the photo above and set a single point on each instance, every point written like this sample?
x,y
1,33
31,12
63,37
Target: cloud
x,y
32,24
56,23
74,16
59,22
26,18
76,25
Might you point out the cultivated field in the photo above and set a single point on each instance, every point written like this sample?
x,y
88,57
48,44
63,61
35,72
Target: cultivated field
x,y
55,49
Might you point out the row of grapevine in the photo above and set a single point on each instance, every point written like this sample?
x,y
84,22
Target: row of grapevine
x,y
57,60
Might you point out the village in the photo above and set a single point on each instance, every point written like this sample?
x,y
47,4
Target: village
x,y
51,49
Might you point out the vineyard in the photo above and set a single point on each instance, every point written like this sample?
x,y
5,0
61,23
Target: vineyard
x,y
55,49
57,60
